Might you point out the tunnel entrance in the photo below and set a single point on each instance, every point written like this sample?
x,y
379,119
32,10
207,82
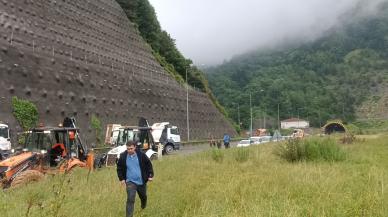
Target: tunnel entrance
x,y
334,127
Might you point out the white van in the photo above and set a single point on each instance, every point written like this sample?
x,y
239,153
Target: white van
x,y
260,139
244,143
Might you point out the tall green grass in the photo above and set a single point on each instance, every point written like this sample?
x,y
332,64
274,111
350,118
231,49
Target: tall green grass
x,y
217,155
198,186
242,155
314,149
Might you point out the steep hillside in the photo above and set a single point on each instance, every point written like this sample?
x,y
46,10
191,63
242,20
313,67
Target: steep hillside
x,y
143,15
326,79
86,59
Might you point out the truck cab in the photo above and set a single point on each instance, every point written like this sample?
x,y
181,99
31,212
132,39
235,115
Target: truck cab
x,y
5,140
167,135
173,133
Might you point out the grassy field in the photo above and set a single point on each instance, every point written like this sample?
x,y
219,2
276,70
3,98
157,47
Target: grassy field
x,y
197,185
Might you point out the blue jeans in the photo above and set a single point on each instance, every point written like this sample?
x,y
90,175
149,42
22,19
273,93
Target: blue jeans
x,y
131,195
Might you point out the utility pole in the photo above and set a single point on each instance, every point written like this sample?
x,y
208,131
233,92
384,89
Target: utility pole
x,y
319,116
187,108
278,118
264,116
238,114
250,105
343,112
298,117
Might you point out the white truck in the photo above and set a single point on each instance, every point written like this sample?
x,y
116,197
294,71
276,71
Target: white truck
x,y
141,133
5,140
166,135
111,134
149,139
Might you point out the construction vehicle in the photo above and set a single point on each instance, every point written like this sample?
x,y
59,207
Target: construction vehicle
x,y
47,150
142,134
298,134
111,134
260,132
5,141
166,135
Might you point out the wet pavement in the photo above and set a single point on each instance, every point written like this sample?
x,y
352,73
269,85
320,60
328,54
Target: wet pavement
x,y
191,149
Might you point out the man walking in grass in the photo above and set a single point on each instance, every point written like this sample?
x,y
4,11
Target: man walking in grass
x,y
226,140
134,170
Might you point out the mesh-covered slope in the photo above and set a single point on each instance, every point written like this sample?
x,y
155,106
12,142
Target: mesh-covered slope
x,y
84,57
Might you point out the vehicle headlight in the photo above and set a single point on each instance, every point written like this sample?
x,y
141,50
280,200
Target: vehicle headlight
x,y
43,151
12,150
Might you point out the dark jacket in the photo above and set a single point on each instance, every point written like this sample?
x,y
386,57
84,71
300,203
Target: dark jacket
x,y
144,162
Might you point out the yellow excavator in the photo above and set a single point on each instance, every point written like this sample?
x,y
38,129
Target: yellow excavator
x,y
46,150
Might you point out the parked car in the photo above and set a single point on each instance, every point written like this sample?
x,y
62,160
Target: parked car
x,y
245,143
256,140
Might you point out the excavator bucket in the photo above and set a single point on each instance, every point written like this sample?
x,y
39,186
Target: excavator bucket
x,y
90,160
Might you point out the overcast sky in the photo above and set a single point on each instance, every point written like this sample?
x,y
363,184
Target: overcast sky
x,y
210,31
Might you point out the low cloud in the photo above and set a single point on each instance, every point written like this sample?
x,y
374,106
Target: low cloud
x,y
209,32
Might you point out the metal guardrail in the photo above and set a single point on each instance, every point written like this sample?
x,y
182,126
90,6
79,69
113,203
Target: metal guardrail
x,y
207,141
102,148
195,142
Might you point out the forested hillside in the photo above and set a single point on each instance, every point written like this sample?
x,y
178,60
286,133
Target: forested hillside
x,y
143,15
325,79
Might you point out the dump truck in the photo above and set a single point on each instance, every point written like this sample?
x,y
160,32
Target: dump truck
x,y
111,134
166,135
141,134
5,141
47,150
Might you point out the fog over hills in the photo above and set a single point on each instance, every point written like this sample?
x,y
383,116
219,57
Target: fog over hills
x,y
210,32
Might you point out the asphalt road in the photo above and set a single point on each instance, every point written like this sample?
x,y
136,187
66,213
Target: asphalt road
x,y
191,149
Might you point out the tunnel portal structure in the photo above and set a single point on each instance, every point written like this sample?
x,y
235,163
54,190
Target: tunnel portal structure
x,y
82,58
334,127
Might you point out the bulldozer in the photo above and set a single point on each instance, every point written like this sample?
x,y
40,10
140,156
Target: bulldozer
x,y
47,150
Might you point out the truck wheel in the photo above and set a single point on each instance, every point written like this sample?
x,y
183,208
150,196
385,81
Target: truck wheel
x,y
168,149
99,162
154,157
26,177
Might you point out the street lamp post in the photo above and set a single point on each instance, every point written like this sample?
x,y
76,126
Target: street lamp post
x,y
343,111
187,108
298,116
250,106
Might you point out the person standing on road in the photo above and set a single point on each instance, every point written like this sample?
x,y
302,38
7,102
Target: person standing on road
x,y
212,142
226,140
134,170
219,144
